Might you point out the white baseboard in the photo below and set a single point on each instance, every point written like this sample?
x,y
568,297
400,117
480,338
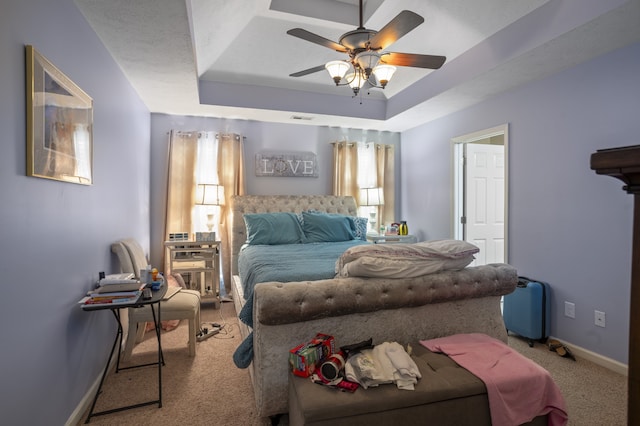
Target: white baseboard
x,y
84,404
86,401
603,361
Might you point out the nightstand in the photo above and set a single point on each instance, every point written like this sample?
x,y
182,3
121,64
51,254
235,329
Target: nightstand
x,y
197,257
391,239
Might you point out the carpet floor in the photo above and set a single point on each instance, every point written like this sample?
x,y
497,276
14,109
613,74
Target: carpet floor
x,y
209,389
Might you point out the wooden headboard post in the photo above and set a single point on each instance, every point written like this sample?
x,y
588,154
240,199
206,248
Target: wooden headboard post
x,y
241,204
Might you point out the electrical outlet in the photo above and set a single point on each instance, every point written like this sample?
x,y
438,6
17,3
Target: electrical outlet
x,y
600,318
569,309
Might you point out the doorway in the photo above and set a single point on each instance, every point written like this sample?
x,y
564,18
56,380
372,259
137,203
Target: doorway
x,y
480,210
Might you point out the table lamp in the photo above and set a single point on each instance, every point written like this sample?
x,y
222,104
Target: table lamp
x,y
209,194
373,197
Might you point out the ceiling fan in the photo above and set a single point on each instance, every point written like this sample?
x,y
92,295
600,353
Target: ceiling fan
x,y
368,62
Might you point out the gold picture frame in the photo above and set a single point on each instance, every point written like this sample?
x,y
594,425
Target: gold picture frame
x,y
59,124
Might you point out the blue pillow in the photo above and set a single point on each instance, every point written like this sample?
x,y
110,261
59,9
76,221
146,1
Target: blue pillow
x,y
361,228
323,227
273,228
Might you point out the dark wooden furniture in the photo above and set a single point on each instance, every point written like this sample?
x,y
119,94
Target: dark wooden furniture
x,y
624,164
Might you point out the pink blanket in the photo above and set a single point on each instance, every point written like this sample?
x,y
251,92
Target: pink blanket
x,y
518,389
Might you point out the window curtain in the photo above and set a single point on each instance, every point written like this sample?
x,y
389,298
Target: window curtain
x,y
345,169
203,157
385,165
181,183
365,165
231,175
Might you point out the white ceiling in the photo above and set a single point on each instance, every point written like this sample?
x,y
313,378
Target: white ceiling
x,y
232,59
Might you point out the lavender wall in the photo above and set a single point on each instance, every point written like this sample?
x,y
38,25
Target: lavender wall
x,y
259,137
56,236
568,226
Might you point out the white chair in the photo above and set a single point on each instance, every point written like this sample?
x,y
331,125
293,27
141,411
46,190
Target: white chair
x,y
183,305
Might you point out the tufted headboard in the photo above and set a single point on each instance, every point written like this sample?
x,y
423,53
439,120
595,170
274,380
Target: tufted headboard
x,y
241,204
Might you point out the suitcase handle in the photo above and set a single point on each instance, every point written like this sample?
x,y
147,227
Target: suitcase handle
x,y
523,282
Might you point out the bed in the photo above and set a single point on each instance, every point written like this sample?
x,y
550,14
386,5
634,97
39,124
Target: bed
x,y
278,315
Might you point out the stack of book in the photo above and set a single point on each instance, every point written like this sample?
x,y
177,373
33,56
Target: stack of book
x,y
110,299
118,282
113,290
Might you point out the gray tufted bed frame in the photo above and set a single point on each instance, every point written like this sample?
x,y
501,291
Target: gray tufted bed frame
x,y
355,309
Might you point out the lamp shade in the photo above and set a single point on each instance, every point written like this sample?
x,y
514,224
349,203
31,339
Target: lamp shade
x,y
337,70
356,79
208,194
367,60
384,73
371,196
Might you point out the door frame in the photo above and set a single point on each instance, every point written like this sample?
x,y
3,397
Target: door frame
x,y
458,188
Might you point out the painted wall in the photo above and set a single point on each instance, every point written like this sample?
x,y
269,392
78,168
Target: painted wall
x,y
568,226
56,236
259,137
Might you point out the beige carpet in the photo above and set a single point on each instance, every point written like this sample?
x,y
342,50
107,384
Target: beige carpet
x,y
209,390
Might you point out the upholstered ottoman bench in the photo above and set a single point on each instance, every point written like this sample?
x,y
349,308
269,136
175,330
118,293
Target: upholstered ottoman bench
x,y
447,394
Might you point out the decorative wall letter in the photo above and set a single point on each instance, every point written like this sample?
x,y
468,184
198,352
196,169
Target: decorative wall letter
x,y
286,164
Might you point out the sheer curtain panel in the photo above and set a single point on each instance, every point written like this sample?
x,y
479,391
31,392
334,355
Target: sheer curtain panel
x,y
203,158
365,165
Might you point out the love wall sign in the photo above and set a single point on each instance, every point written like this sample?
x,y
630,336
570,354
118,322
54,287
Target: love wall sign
x,y
286,164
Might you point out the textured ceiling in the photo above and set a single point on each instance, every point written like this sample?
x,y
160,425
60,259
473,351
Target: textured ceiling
x,y
233,58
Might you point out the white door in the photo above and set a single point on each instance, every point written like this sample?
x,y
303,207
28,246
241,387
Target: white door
x,y
485,201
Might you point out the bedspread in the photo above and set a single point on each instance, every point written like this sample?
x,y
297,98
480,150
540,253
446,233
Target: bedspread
x,y
282,263
289,262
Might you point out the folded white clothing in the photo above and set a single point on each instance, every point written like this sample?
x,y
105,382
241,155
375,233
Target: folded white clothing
x,y
406,372
385,363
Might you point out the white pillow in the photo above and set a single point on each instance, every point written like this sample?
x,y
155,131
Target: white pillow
x,y
405,260
387,268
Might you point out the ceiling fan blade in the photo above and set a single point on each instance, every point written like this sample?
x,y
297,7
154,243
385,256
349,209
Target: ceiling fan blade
x,y
307,71
413,60
314,38
396,28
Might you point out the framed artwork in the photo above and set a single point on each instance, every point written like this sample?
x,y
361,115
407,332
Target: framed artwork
x,y
59,124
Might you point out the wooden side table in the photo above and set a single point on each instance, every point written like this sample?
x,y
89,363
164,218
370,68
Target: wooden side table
x,y
197,257
391,239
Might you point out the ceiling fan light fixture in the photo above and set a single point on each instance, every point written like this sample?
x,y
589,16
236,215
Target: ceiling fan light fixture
x,y
366,51
337,70
367,60
384,73
356,80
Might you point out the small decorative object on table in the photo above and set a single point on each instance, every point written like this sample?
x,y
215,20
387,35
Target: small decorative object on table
x,y
403,229
392,229
205,236
179,236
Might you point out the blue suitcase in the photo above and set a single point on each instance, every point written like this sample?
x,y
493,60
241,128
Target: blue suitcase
x,y
527,310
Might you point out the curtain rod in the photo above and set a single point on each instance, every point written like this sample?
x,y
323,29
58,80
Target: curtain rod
x,y
189,132
350,144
